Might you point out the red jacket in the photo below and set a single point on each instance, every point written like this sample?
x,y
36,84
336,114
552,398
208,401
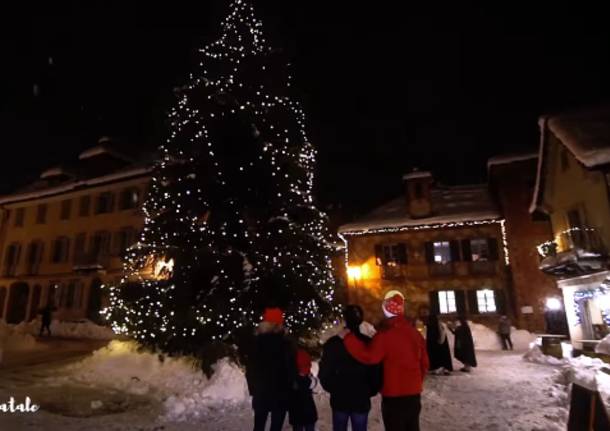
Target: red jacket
x,y
401,349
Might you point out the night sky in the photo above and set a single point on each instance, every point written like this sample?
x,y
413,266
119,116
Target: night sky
x,y
386,87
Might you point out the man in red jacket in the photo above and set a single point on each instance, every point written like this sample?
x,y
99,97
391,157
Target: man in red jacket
x,y
402,351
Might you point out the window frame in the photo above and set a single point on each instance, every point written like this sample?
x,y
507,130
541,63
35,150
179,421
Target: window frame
x,y
448,249
126,201
41,213
19,217
488,296
445,302
84,206
106,197
65,209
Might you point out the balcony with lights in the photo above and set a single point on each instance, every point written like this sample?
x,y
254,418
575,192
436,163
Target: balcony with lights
x,y
574,252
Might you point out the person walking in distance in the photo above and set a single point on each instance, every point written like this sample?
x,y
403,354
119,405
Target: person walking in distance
x,y
401,350
504,332
46,314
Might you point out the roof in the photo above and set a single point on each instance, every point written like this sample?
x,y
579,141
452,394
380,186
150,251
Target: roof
x,y
586,134
417,174
506,159
450,205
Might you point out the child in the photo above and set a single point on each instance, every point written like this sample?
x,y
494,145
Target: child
x,y
303,413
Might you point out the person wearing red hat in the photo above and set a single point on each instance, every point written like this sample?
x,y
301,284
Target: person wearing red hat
x,y
303,413
402,351
271,371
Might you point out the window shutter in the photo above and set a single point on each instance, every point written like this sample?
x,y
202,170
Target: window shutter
x,y
430,253
473,304
466,251
402,253
455,250
434,307
379,258
500,299
492,244
460,302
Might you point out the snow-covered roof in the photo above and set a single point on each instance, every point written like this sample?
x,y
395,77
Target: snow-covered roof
x,y
417,174
102,149
510,158
586,134
53,172
450,205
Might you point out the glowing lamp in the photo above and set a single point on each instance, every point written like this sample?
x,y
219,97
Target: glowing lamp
x,y
354,272
553,304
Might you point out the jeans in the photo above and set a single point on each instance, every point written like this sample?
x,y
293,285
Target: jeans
x,y
506,341
277,419
401,413
340,420
309,427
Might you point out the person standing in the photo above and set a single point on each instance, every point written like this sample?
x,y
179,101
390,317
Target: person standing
x,y
46,314
350,383
303,413
271,371
438,346
464,346
504,332
400,348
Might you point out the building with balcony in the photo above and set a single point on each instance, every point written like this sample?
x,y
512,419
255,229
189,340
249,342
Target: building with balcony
x,y
63,236
443,247
572,188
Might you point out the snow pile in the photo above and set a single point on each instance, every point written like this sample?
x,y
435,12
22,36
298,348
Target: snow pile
x,y
77,329
535,355
487,339
604,346
178,383
12,340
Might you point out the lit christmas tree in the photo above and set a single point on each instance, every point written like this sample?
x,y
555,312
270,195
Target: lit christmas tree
x,y
231,225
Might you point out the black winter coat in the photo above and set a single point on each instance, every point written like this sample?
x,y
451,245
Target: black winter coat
x,y
302,406
464,346
350,383
271,371
438,353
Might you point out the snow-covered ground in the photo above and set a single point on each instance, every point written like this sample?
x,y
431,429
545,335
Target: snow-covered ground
x,y
121,388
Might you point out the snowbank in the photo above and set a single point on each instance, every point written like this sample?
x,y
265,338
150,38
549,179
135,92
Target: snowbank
x,y
12,340
487,339
178,383
77,329
603,346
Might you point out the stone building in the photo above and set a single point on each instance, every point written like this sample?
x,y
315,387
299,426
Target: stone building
x,y
64,235
443,247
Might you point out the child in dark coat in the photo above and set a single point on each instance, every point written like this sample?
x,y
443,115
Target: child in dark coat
x,y
464,346
303,413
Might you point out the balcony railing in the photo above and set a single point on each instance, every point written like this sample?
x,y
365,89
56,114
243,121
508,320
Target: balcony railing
x,y
576,250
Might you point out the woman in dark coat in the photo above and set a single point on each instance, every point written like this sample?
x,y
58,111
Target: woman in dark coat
x,y
464,346
271,372
438,346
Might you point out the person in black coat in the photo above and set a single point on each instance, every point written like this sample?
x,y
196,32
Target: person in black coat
x,y
271,371
46,314
350,383
438,346
303,412
464,346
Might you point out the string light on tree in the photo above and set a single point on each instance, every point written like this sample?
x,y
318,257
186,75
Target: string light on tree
x,y
231,209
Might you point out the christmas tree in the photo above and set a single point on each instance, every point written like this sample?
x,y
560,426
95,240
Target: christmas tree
x,y
231,225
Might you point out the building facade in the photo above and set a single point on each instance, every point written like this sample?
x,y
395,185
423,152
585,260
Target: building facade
x,y
444,248
64,236
512,180
573,189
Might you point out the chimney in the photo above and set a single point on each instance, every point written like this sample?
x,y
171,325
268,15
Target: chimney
x,y
418,190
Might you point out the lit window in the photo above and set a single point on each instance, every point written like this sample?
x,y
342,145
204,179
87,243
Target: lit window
x,y
486,301
479,249
446,301
442,252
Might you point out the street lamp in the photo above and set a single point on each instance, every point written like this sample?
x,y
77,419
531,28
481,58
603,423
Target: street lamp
x,y
553,304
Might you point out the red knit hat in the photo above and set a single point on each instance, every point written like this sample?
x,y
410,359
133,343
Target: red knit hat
x,y
394,303
303,362
273,315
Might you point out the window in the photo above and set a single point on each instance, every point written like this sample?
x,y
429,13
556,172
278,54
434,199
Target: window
x,y
74,295
53,295
479,249
66,208
486,301
34,256
418,191
442,252
565,160
61,249
130,198
105,203
19,217
100,244
446,301
13,252
124,239
41,214
84,205
79,245
391,254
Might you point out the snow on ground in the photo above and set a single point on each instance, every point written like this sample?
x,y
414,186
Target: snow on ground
x,y
12,340
122,388
68,329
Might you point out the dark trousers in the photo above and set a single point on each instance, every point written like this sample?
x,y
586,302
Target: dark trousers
x,y
46,326
310,427
358,420
506,342
401,413
277,419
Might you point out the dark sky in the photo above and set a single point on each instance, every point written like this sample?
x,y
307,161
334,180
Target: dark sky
x,y
386,86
